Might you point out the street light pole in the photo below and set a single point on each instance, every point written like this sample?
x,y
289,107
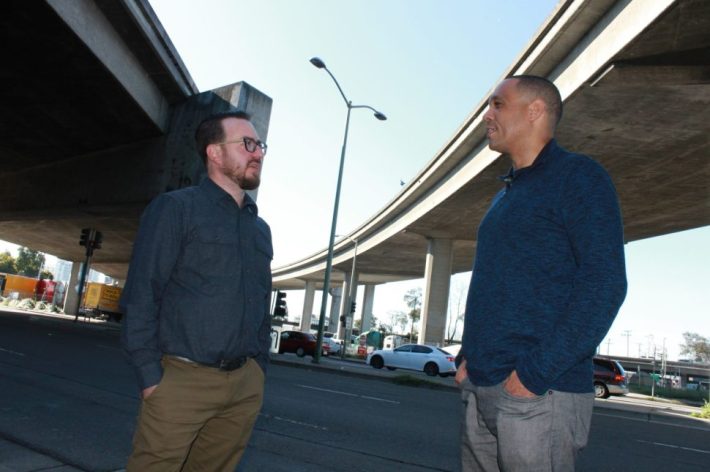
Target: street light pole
x,y
349,315
329,258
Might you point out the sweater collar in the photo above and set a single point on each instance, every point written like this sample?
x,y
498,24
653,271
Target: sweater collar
x,y
548,150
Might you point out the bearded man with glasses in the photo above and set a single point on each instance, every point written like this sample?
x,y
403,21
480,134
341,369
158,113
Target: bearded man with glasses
x,y
196,304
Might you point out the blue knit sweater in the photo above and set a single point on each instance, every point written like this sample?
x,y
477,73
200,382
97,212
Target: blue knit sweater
x,y
549,275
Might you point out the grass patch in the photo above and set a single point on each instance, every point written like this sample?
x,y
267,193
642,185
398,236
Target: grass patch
x,y
704,411
671,393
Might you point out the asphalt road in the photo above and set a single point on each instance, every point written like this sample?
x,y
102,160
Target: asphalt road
x,y
66,391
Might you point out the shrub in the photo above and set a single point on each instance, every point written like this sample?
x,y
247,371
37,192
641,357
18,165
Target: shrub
x,y
704,411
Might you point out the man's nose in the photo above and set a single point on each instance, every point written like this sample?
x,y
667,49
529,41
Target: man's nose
x,y
487,115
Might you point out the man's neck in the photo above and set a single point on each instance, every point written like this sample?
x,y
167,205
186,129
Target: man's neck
x,y
230,187
526,154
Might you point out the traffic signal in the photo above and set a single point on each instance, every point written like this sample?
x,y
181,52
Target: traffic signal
x,y
281,309
342,320
85,237
352,307
98,237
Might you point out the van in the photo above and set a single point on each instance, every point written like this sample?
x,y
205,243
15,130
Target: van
x,y
609,378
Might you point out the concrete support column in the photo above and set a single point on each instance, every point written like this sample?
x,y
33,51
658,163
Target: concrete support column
x,y
335,322
71,296
437,276
367,302
347,303
308,306
336,294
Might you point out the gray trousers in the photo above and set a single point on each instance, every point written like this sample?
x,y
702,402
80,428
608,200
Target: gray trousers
x,y
501,432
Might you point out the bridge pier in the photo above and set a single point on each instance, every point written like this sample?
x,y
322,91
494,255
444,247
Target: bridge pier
x,y
308,306
367,302
437,277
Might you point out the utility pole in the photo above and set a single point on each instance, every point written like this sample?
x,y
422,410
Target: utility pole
x,y
663,362
608,345
653,376
627,333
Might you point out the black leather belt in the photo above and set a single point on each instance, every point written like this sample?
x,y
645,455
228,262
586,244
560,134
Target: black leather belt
x,y
226,365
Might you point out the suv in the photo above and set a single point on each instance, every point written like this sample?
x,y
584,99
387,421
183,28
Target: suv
x,y
609,378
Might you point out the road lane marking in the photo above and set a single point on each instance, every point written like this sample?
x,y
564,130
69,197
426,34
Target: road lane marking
x,y
12,352
296,422
673,446
329,391
348,394
380,399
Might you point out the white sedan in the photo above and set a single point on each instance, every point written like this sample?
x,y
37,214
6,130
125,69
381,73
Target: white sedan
x,y
428,359
333,343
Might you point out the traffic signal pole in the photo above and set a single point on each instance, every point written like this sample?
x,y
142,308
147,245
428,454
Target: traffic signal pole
x,y
82,280
91,239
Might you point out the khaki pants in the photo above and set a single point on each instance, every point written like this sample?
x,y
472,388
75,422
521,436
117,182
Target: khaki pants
x,y
197,419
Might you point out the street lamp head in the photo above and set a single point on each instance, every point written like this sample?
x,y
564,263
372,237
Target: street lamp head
x,y
380,116
318,63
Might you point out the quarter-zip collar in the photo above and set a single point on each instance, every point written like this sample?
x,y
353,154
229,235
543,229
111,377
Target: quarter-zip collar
x,y
544,155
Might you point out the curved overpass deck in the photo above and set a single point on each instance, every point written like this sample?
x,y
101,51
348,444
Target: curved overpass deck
x,y
635,80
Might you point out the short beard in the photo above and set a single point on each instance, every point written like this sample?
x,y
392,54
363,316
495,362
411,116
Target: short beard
x,y
249,184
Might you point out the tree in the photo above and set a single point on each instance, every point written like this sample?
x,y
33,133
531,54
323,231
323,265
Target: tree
x,y
7,263
398,319
457,301
413,299
696,346
29,262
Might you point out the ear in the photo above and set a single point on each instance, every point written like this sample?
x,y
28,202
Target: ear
x,y
214,152
536,110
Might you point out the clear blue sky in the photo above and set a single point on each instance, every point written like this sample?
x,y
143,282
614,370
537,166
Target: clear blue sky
x,y
425,64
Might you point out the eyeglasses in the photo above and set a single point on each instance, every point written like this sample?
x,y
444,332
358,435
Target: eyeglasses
x,y
250,144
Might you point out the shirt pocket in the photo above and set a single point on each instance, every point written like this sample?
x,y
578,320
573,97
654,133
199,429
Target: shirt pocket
x,y
214,252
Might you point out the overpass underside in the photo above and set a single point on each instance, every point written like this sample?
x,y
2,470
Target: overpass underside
x,y
635,79
97,118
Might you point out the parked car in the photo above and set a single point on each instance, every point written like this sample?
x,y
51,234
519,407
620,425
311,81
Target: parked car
x,y
609,378
300,343
428,359
332,342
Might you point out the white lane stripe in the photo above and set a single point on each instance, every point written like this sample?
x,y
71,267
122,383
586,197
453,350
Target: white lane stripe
x,y
12,352
365,397
328,390
673,446
380,399
296,422
642,420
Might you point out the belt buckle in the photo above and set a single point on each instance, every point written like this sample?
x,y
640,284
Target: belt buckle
x,y
232,364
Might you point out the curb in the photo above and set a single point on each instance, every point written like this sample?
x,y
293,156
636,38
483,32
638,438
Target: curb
x,y
343,370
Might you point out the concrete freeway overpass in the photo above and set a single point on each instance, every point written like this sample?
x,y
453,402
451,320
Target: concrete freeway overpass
x,y
97,118
98,110
635,79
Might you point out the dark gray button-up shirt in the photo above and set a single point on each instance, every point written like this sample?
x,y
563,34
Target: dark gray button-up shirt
x,y
199,282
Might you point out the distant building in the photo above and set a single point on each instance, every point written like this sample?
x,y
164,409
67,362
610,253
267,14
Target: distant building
x,y
62,271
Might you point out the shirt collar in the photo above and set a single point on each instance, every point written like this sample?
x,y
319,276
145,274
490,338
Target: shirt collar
x,y
219,195
549,149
